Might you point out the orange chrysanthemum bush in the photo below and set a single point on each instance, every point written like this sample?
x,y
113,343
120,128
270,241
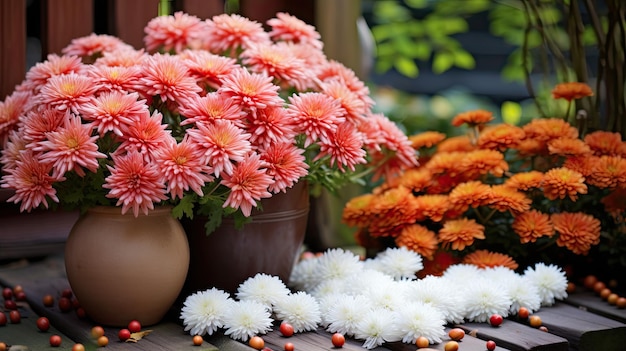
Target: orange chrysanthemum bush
x,y
211,117
503,195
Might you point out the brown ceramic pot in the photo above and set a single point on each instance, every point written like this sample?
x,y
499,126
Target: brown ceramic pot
x,y
122,267
269,244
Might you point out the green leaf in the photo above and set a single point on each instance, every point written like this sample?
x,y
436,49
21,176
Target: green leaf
x,y
185,206
422,50
511,112
406,67
442,62
464,59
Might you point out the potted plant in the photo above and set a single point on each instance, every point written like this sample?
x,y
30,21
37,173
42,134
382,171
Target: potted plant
x,y
212,117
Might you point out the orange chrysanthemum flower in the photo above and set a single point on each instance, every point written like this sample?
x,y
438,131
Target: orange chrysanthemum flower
x,y
448,163
568,147
472,118
426,139
481,162
433,206
358,211
608,172
419,239
416,179
460,233
532,225
561,182
577,231
582,164
501,137
615,203
525,181
488,259
470,194
604,143
392,210
504,198
459,143
571,91
545,129
532,147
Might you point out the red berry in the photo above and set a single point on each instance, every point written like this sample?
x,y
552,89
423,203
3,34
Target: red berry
x,y
10,305
18,288
523,313
338,340
286,329
495,320
15,317
289,346
65,305
48,300
7,293
3,319
123,334
55,341
134,326
78,347
491,345
20,296
67,293
43,324
80,313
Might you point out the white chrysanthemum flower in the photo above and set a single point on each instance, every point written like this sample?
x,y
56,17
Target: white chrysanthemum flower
x,y
523,294
343,312
263,288
338,263
499,273
247,318
328,287
356,283
483,298
462,274
387,296
417,319
550,280
377,327
300,309
203,311
441,294
399,263
304,275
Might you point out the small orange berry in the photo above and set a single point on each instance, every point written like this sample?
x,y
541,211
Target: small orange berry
x,y
534,321
197,340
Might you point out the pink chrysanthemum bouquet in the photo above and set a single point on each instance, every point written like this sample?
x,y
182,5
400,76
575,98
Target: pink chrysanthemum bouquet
x,y
212,116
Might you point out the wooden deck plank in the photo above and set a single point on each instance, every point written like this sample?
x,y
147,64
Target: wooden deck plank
x,y
589,301
517,336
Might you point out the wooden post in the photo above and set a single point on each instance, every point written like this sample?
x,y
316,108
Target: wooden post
x,y
130,18
203,9
64,20
12,45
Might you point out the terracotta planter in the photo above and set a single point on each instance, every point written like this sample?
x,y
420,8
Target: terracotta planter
x,y
122,268
269,244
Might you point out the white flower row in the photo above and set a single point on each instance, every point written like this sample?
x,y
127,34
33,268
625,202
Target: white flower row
x,y
375,300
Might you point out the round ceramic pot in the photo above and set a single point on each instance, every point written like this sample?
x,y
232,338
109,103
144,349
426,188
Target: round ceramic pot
x,y
122,267
270,243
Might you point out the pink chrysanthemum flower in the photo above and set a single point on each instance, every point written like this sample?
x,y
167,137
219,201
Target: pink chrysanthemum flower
x,y
208,108
10,110
12,150
315,114
122,58
248,184
312,57
285,164
355,107
221,143
270,126
54,65
182,166
39,122
32,182
290,28
332,70
231,32
118,78
144,134
70,148
67,92
94,45
164,75
207,68
135,183
252,91
173,33
278,61
345,147
110,110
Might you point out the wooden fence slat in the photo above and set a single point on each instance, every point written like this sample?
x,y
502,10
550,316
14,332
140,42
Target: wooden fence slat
x,y
64,20
12,45
130,18
203,9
